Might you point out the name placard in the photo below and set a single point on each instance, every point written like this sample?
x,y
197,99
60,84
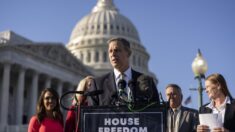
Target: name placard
x,y
120,119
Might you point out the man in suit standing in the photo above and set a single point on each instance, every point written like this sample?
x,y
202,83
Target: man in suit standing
x,y
179,118
119,54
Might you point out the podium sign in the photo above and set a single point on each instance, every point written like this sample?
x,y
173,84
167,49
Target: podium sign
x,y
120,119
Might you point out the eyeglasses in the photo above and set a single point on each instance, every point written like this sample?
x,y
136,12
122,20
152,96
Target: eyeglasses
x,y
50,98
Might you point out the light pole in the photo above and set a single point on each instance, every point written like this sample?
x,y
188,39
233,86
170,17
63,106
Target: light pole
x,y
199,67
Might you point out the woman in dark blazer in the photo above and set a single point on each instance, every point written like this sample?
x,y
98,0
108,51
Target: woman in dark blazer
x,y
221,103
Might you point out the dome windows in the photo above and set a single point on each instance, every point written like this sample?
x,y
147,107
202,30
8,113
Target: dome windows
x,y
134,60
128,30
117,27
82,42
139,61
98,29
96,57
89,41
104,56
105,27
88,58
81,56
123,29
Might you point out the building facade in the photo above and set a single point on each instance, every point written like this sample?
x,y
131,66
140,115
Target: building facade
x,y
27,67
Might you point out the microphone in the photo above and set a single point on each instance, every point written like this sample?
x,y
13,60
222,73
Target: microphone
x,y
94,93
144,83
121,93
163,102
122,84
132,85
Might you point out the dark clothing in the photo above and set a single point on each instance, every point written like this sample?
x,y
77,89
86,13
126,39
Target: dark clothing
x,y
71,121
110,94
229,118
188,120
73,118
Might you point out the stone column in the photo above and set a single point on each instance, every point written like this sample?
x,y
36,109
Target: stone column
x,y
60,87
60,91
33,95
92,56
5,94
48,82
20,96
100,56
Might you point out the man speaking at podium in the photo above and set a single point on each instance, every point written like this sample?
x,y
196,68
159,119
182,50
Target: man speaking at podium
x,y
123,83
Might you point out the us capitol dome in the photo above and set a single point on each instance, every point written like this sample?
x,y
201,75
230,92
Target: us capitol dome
x,y
88,41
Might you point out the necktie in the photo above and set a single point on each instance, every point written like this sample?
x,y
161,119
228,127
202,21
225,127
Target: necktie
x,y
122,85
122,76
173,120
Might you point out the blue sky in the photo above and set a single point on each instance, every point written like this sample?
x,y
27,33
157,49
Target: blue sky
x,y
171,31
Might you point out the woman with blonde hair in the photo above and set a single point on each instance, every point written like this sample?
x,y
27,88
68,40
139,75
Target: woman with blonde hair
x,y
72,119
221,103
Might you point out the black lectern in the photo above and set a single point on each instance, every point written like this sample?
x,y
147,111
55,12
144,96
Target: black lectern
x,y
121,119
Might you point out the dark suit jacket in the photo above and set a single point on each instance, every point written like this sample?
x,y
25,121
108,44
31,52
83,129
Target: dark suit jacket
x,y
229,118
188,120
109,96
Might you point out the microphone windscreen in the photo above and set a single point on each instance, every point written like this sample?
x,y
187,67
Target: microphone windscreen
x,y
94,93
131,84
144,82
121,84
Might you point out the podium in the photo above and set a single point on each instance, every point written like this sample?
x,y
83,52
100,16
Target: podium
x,y
121,119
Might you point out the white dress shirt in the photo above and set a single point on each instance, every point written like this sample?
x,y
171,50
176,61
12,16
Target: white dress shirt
x,y
127,78
177,112
220,110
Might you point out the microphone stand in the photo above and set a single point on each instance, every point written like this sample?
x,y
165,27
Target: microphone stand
x,y
75,107
166,106
78,107
77,110
132,85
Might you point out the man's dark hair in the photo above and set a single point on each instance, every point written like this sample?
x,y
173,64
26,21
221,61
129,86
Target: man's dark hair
x,y
122,41
41,110
177,87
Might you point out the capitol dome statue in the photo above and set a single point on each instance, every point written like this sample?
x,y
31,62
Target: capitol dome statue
x,y
88,41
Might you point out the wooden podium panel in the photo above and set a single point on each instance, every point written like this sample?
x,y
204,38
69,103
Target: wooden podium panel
x,y
121,119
